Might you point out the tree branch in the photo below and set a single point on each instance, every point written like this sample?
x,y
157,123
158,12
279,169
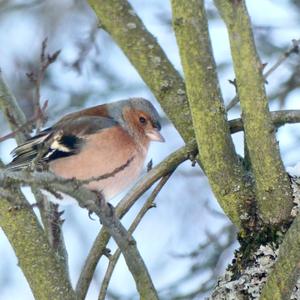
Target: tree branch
x,y
52,224
221,164
286,269
279,118
99,247
12,111
21,128
38,262
274,195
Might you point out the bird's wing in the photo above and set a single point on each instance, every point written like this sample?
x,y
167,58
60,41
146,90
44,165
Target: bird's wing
x,y
61,140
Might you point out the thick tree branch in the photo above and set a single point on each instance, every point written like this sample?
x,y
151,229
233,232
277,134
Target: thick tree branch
x,y
286,269
171,162
119,19
218,156
272,183
38,262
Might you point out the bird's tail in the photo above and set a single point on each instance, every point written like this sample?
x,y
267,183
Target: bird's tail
x,y
25,153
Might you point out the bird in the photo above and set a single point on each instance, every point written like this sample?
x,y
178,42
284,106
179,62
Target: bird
x,y
109,140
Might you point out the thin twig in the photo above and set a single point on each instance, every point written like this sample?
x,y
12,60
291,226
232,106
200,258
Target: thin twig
x,y
45,61
279,118
293,49
114,258
11,111
26,125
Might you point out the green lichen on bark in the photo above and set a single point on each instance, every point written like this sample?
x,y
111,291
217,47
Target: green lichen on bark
x,y
119,19
218,156
44,273
272,183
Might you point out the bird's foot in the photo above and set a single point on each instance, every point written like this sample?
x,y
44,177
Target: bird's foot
x,y
105,208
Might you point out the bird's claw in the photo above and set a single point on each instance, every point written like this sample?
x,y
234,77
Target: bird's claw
x,y
90,215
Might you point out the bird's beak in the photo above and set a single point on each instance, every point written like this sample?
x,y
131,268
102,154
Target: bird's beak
x,y
155,135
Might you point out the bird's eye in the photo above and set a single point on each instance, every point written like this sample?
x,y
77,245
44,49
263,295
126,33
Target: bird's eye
x,y
142,120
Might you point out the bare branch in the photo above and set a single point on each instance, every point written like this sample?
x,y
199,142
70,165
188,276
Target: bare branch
x,y
293,49
43,271
52,222
207,108
99,247
282,58
11,110
26,126
279,118
45,61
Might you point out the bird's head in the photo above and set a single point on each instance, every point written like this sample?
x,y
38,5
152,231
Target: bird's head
x,y
139,117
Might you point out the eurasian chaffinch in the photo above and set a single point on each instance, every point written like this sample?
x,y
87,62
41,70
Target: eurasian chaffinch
x,y
109,138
